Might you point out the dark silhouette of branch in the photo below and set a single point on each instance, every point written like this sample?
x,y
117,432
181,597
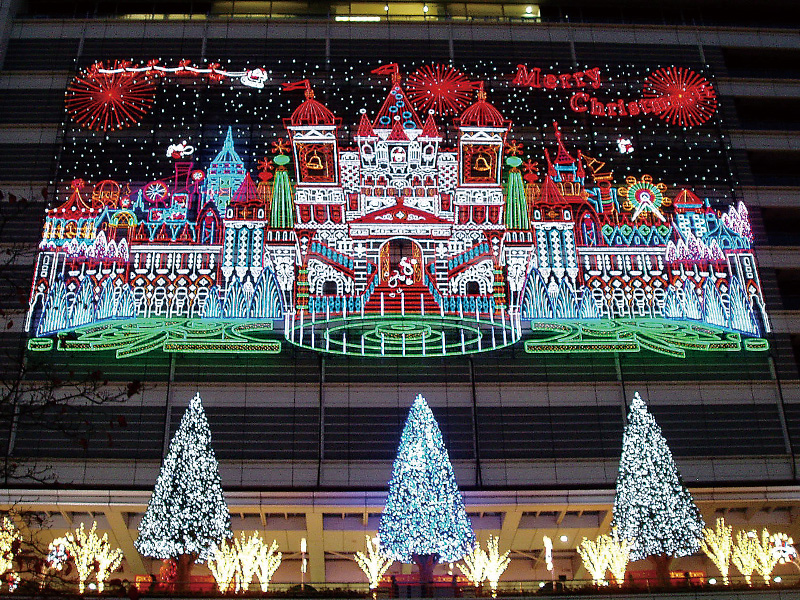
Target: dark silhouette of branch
x,y
32,388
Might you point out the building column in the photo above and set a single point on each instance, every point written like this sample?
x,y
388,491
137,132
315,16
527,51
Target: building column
x,y
125,541
8,10
316,548
511,519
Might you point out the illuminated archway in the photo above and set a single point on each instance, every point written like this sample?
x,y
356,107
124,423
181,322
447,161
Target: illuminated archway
x,y
399,255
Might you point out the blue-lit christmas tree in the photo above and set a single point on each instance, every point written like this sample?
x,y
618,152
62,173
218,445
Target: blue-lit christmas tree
x,y
424,520
187,515
652,507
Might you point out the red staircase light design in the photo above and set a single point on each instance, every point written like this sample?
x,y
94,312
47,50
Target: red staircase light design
x,y
412,299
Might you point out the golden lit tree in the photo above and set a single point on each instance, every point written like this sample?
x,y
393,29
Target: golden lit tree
x,y
594,555
717,543
618,554
373,563
269,559
744,553
248,551
766,557
9,540
89,551
496,563
108,560
224,565
473,566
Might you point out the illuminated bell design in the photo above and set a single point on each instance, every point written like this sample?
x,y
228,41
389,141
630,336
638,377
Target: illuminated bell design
x,y
481,164
315,162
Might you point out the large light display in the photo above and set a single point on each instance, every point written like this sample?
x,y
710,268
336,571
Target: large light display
x,y
424,228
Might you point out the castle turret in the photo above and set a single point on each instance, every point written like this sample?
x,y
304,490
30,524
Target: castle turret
x,y
225,174
312,130
482,133
398,154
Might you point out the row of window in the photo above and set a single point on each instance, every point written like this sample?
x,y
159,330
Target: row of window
x,y
698,13
373,433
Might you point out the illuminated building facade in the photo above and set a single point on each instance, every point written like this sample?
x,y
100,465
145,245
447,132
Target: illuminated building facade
x,y
527,252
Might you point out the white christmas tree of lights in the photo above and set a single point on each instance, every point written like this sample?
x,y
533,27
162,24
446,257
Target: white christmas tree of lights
x,y
424,513
373,563
424,520
187,515
652,507
717,543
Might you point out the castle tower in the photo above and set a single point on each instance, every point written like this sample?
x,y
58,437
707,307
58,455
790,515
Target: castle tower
x,y
225,174
312,130
398,154
482,133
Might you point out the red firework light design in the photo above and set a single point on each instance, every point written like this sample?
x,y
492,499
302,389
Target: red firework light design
x,y
443,89
109,101
692,100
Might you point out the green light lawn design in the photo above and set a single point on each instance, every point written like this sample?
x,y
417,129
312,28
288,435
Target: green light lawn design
x,y
413,336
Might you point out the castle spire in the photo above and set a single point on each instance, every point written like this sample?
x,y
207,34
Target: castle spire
x,y
430,130
563,157
365,129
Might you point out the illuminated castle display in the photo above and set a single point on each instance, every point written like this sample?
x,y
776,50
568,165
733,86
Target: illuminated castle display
x,y
397,227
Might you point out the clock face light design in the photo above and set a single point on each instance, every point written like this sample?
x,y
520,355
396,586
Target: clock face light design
x,y
418,228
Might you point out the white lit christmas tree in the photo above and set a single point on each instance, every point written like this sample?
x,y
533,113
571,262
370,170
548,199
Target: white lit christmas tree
x,y
187,515
652,507
424,520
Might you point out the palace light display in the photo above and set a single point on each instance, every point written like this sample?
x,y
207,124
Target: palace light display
x,y
423,229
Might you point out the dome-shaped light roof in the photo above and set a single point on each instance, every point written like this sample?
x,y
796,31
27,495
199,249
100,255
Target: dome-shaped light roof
x,y
481,114
311,112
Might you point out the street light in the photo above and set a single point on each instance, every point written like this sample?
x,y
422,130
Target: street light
x,y
303,563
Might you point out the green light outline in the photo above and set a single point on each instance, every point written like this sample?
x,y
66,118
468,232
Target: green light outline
x,y
433,351
135,337
661,336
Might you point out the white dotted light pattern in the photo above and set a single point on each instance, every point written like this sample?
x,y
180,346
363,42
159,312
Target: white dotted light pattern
x,y
201,112
187,513
652,507
424,512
